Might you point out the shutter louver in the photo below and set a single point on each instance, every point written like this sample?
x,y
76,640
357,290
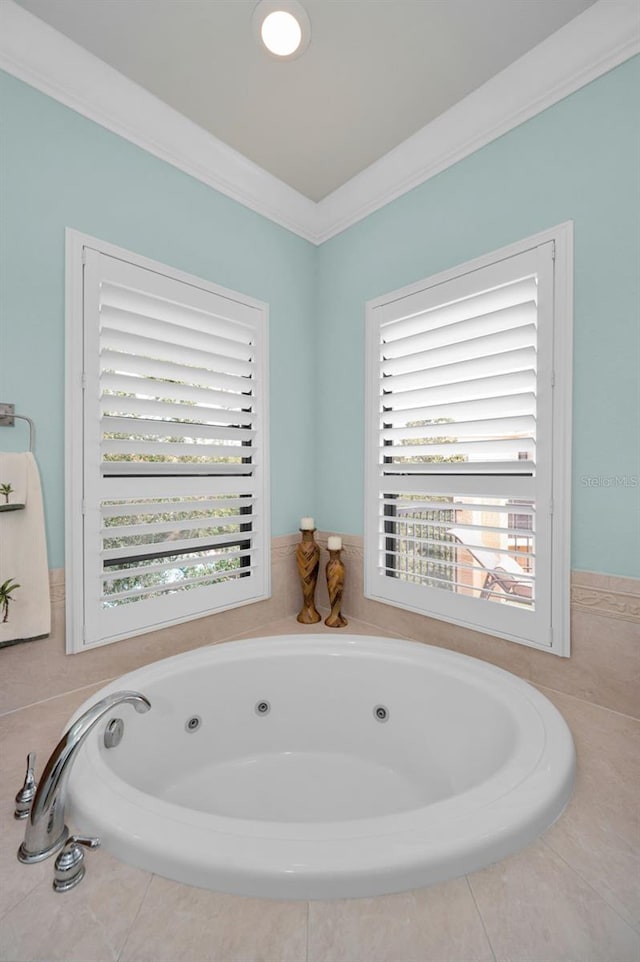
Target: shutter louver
x,y
176,497
149,416
478,427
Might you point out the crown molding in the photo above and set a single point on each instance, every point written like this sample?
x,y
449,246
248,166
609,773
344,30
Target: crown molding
x,y
46,59
601,38
596,41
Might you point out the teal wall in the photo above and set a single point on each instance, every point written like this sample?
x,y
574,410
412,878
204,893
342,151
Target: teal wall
x,y
577,161
60,170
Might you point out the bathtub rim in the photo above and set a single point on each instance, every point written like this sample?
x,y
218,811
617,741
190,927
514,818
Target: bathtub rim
x,y
338,859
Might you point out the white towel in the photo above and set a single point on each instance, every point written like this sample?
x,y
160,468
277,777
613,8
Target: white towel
x,y
23,552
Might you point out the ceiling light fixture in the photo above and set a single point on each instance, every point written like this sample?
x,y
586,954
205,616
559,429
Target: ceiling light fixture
x,y
282,27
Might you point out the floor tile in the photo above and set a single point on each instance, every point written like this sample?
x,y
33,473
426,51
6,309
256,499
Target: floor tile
x,y
438,924
88,924
536,909
181,924
38,729
16,880
599,834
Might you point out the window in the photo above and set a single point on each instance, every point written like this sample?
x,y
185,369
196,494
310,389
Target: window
x,y
468,434
167,502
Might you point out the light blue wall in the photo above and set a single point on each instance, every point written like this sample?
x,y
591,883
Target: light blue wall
x,y
577,161
60,170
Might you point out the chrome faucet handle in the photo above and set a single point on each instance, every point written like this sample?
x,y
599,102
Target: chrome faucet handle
x,y
24,798
46,833
69,869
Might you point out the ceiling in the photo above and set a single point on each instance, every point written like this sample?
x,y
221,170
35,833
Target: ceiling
x,y
376,71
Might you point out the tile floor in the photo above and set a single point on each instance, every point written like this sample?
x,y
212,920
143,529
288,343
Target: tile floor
x,y
574,895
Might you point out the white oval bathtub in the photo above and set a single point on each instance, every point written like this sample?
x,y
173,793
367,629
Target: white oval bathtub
x,y
316,795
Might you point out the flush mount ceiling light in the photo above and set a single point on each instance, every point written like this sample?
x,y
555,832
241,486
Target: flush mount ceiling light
x,y
282,27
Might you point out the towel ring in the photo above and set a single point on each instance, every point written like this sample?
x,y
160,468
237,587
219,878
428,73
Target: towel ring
x,y
32,430
7,417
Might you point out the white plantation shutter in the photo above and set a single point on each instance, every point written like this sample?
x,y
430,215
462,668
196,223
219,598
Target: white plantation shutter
x,y
175,522
460,443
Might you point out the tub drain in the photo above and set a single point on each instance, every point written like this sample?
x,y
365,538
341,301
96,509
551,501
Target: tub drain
x,y
381,713
262,708
193,724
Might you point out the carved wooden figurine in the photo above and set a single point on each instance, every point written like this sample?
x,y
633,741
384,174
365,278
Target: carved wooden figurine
x,y
335,584
308,559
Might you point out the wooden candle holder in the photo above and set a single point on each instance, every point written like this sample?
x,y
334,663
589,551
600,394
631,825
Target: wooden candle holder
x,y
308,560
335,586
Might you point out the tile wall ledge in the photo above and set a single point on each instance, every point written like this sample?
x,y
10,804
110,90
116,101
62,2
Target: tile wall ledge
x,y
41,669
604,668
284,546
611,596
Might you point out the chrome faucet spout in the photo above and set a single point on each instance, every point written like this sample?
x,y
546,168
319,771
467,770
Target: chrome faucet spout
x,y
46,832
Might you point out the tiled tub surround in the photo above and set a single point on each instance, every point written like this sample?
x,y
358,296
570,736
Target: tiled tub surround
x,y
604,666
573,895
36,670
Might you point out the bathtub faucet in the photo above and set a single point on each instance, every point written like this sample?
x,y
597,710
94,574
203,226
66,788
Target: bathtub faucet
x,y
46,832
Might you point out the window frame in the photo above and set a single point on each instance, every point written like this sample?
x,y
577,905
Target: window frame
x,y
76,590
376,587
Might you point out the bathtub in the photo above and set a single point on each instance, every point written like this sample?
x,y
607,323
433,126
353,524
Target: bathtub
x,y
313,766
